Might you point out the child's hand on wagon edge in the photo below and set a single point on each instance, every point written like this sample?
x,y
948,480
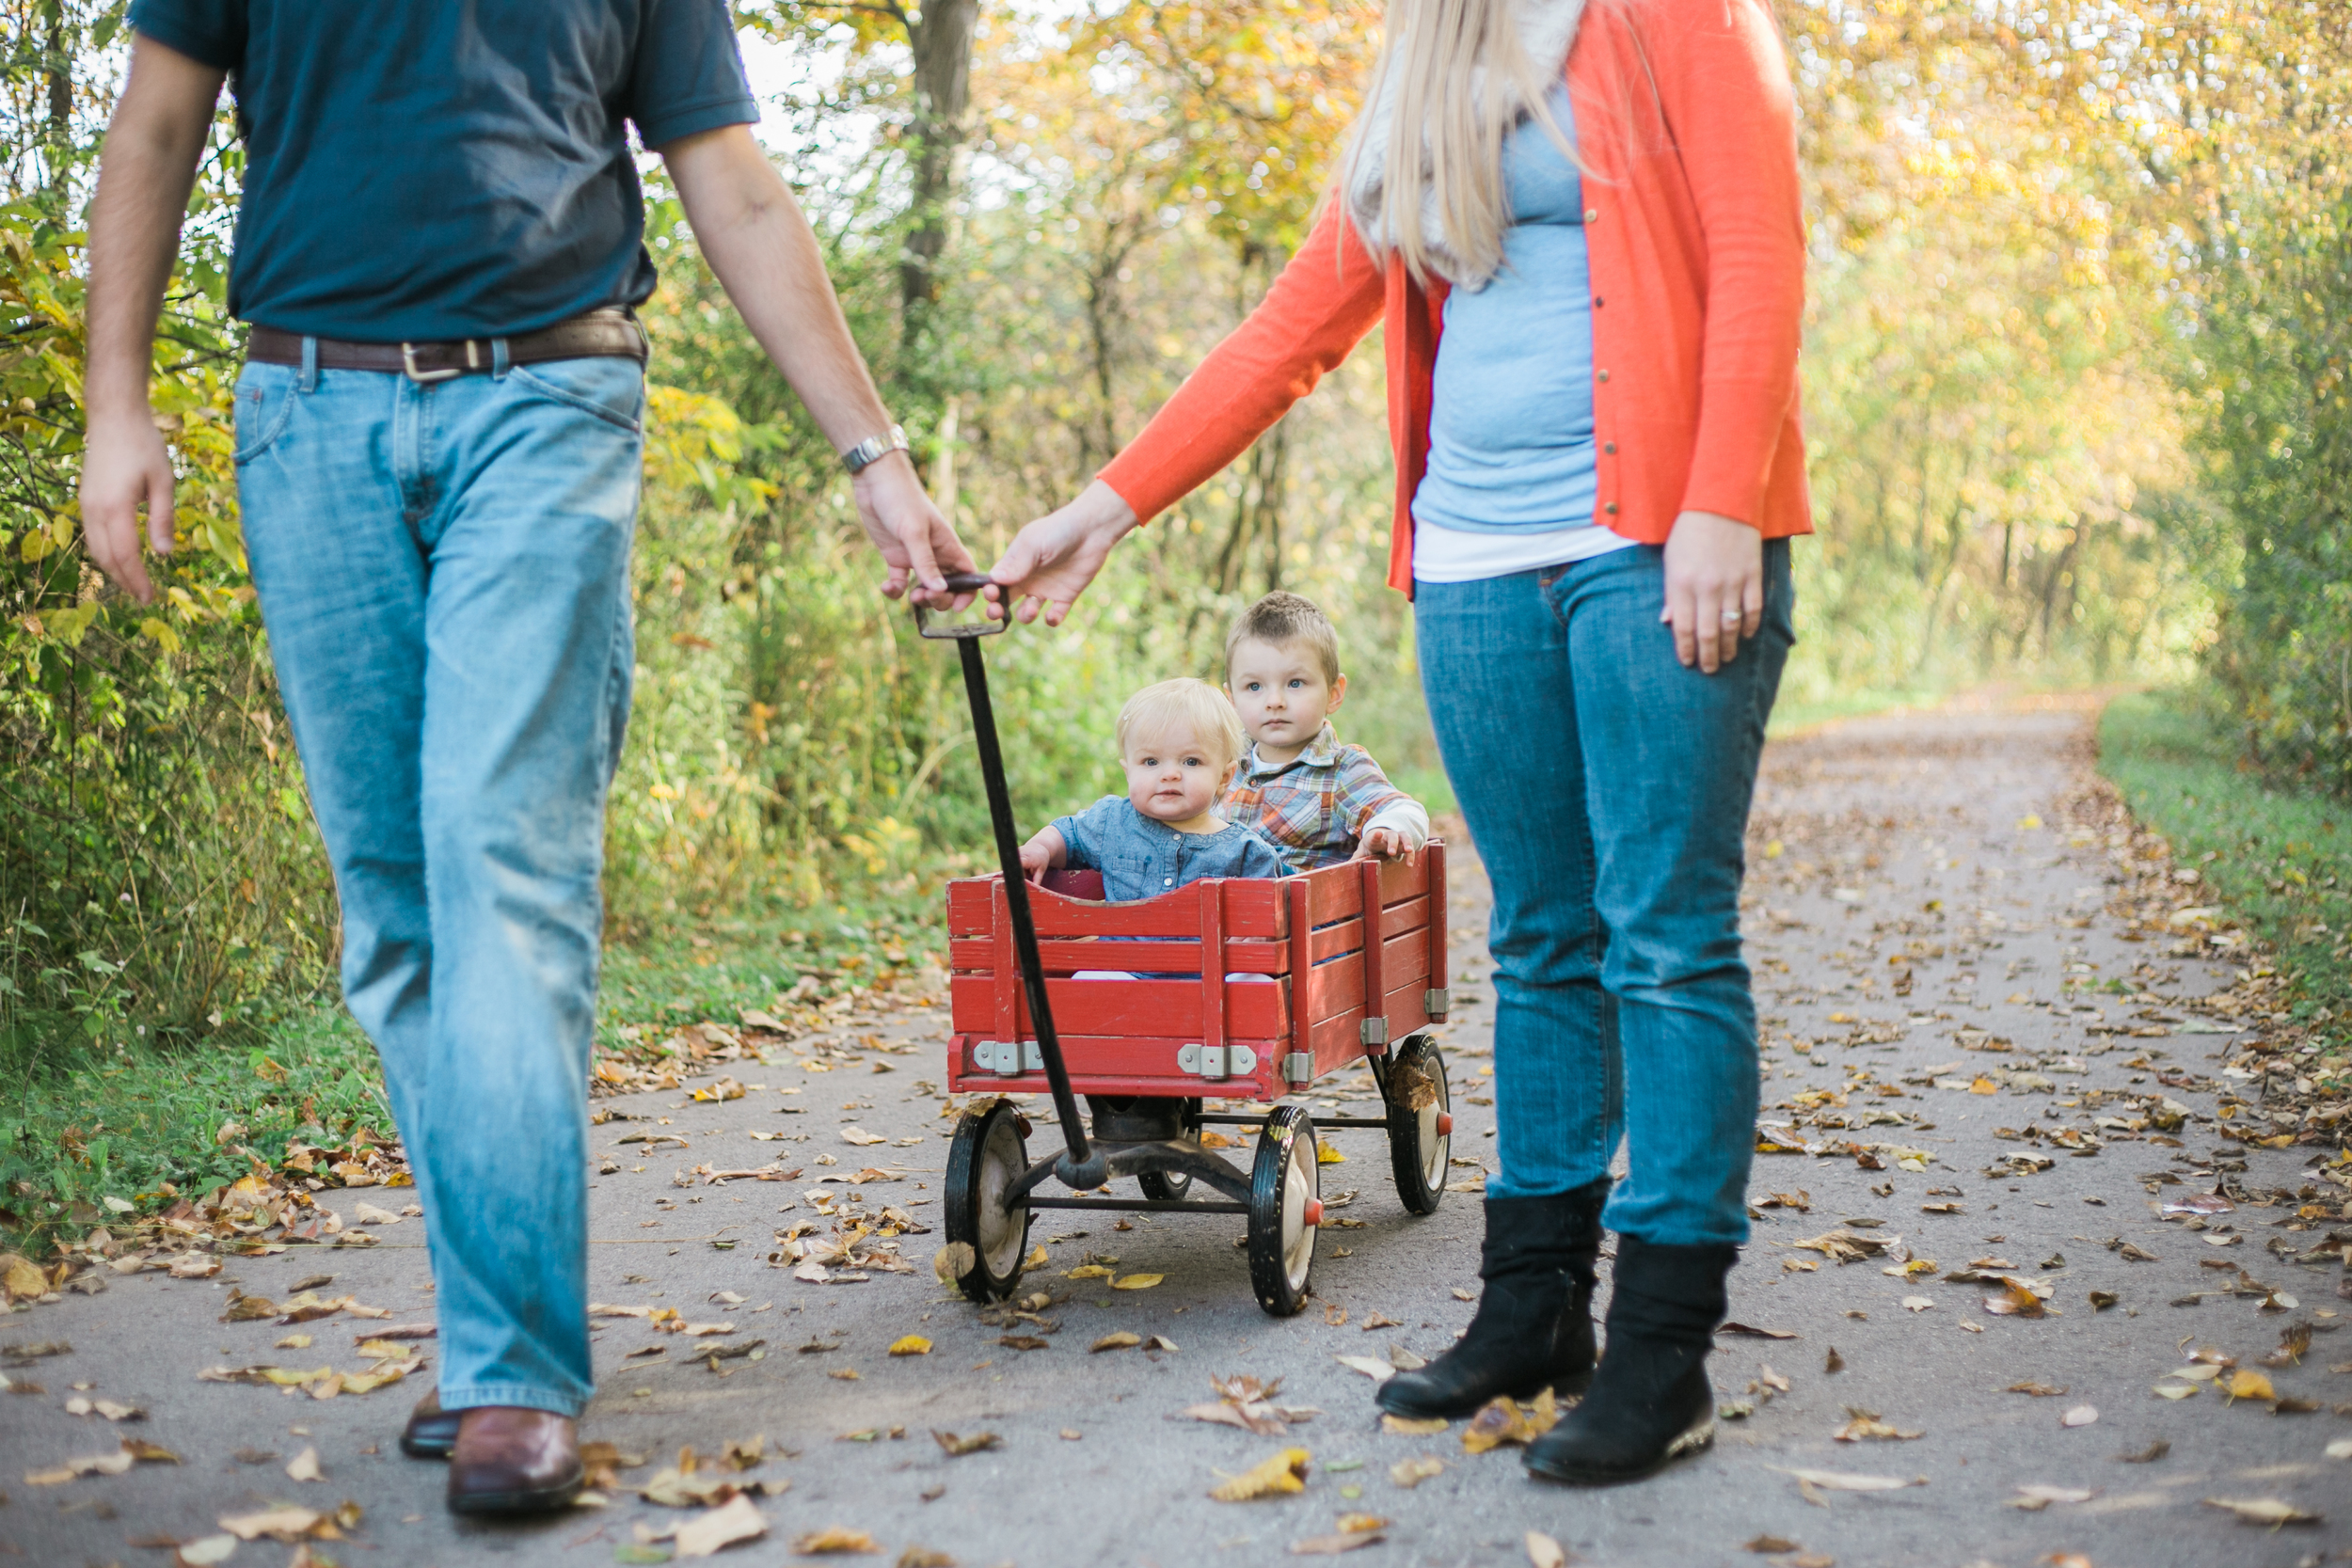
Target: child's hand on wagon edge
x,y
1041,854
1387,843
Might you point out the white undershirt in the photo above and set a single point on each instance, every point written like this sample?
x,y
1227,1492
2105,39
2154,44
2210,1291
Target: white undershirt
x,y
1458,555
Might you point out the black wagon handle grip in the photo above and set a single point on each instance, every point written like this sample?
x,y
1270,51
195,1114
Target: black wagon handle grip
x,y
958,582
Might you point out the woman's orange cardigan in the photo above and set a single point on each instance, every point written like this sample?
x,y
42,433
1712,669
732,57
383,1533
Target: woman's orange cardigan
x,y
1685,118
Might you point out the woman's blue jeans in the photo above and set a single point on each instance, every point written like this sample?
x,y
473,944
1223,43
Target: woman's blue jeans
x,y
1607,788
444,572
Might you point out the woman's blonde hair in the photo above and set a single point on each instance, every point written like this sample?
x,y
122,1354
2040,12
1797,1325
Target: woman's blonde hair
x,y
1439,49
1195,705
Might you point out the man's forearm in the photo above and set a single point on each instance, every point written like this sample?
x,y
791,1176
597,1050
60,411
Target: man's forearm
x,y
143,181
760,246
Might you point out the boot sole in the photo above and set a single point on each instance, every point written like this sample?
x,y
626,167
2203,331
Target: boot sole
x,y
429,1444
1574,1386
1692,1439
519,1503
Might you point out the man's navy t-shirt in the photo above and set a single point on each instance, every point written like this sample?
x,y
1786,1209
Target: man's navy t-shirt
x,y
431,169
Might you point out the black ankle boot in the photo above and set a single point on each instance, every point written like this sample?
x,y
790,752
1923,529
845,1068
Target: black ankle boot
x,y
1651,1403
1534,1328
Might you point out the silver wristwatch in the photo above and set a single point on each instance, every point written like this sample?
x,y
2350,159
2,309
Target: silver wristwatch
x,y
870,450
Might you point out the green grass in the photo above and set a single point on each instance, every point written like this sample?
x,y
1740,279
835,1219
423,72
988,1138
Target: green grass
x,y
2282,863
137,1122
134,1123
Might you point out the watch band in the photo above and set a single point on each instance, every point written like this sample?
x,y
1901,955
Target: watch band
x,y
870,450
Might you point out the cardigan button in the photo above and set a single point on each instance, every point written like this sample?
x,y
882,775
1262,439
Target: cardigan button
x,y
1604,375
1611,509
1609,446
1592,214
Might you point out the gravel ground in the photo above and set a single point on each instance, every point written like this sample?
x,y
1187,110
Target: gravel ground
x,y
1926,920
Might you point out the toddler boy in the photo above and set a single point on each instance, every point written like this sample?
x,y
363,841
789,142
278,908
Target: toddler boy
x,y
1321,802
1179,744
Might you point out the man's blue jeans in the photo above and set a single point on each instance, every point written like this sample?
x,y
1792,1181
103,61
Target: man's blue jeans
x,y
1607,790
444,572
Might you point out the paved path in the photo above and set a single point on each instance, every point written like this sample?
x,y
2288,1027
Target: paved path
x,y
1905,928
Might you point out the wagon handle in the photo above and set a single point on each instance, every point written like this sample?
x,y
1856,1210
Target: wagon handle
x,y
1084,1168
958,582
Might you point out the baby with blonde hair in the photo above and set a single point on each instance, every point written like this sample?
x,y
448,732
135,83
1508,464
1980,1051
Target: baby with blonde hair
x,y
1180,742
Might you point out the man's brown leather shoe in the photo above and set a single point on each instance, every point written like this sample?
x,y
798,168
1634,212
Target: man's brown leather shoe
x,y
508,1462
431,1432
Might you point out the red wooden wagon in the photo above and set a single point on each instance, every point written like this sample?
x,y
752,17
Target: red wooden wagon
x,y
1238,990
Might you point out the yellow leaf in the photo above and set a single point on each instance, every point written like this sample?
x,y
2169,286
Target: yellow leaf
x,y
1326,1155
833,1538
1774,851
1413,1426
2249,1384
1505,1420
1284,1473
1137,1282
1035,1259
1089,1271
1121,1341
1410,1473
913,1344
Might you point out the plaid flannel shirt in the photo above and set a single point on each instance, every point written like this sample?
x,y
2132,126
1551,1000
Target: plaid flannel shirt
x,y
1314,807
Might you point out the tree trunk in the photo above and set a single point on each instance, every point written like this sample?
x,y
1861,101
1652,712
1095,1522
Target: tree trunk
x,y
942,39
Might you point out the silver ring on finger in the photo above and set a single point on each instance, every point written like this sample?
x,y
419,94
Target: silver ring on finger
x,y
1733,617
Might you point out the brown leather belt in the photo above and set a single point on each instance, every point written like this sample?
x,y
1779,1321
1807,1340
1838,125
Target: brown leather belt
x,y
600,334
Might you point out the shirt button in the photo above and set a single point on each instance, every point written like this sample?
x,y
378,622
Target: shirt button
x,y
1592,214
1597,302
1611,509
1604,375
1609,447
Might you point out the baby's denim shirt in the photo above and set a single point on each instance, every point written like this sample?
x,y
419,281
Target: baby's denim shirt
x,y
1141,858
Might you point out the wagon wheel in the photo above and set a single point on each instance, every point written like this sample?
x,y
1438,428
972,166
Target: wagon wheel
x,y
1285,1210
1173,1184
986,1158
1421,1123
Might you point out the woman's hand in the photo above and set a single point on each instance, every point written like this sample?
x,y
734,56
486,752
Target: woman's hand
x,y
1714,587
1049,562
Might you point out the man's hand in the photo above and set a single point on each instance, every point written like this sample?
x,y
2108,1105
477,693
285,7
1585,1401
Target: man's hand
x,y
1714,588
124,467
1049,564
917,543
152,147
755,238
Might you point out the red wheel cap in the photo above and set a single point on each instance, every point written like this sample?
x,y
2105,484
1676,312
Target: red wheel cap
x,y
1314,1212
1445,1124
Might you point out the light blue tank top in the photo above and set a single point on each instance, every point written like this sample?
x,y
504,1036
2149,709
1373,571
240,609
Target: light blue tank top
x,y
1511,423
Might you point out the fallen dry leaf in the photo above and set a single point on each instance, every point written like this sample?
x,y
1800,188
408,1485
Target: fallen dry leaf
x,y
1773,1543
205,1551
703,1534
957,1447
1119,1341
1864,1426
305,1466
1285,1472
1413,1426
2247,1384
1372,1367
1138,1281
2263,1511
2036,1388
953,1261
1750,1331
1333,1545
2039,1496
1840,1480
2080,1416
912,1345
1410,1473
1504,1420
284,1525
1544,1552
833,1538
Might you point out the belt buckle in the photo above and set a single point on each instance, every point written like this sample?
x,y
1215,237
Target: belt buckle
x,y
426,378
